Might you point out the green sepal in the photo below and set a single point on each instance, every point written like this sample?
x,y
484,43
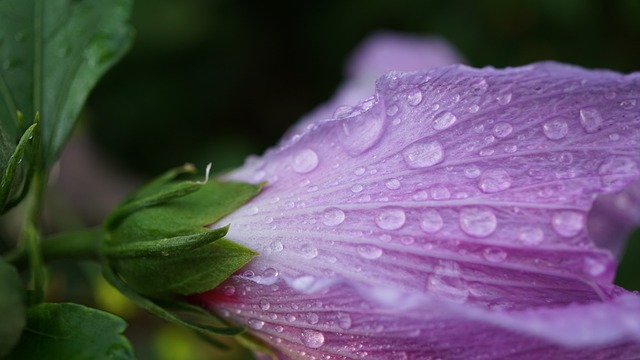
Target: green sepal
x,y
159,242
167,309
15,183
71,331
12,307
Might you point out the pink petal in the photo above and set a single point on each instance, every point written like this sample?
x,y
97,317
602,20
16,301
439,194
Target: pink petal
x,y
453,202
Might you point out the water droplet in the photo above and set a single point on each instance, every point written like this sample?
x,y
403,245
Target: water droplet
x,y
357,188
504,99
452,288
361,132
590,119
333,217
313,318
431,221
344,321
486,152
531,235
555,129
502,129
277,246
423,153
568,223
279,329
444,120
308,251
392,110
478,221
290,318
369,251
478,86
494,180
264,304
229,290
414,97
440,193
256,324
472,171
594,267
303,283
391,218
305,161
420,195
628,104
393,184
360,171
312,338
494,255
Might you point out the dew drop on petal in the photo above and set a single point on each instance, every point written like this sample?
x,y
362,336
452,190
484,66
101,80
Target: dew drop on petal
x,y
594,267
615,172
264,304
414,97
256,324
494,180
312,338
391,218
423,153
313,318
504,99
344,321
494,255
472,171
359,171
333,217
369,251
431,221
303,283
229,290
393,184
530,235
502,129
555,129
444,120
305,161
568,223
361,132
478,221
309,251
590,119
392,110
357,188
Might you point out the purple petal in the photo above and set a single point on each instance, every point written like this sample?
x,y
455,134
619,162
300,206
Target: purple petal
x,y
455,201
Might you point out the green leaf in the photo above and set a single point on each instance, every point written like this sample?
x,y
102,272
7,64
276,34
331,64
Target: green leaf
x,y
71,331
12,307
159,242
12,168
53,52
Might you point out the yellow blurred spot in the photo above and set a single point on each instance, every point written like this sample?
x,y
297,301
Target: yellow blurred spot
x,y
109,299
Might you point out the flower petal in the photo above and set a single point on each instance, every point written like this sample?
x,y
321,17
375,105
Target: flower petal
x,y
453,186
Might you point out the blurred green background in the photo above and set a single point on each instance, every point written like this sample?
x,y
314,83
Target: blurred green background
x,y
213,81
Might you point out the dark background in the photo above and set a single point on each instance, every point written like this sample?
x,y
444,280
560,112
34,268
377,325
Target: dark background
x,y
211,81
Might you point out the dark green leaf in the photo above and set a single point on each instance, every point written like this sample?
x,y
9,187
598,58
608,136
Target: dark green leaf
x,y
53,52
164,246
12,307
162,310
71,331
13,182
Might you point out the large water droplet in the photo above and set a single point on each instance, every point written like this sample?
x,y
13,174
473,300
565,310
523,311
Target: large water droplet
x,y
531,235
431,221
256,324
594,266
568,223
494,255
423,153
478,221
444,120
494,180
333,217
308,251
502,129
305,161
414,97
369,251
590,119
303,283
264,304
555,129
391,218
361,132
504,99
393,184
344,321
312,338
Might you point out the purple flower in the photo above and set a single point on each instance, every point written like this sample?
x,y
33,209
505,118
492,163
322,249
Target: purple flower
x,y
458,213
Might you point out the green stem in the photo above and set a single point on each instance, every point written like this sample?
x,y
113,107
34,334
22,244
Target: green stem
x,y
31,238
